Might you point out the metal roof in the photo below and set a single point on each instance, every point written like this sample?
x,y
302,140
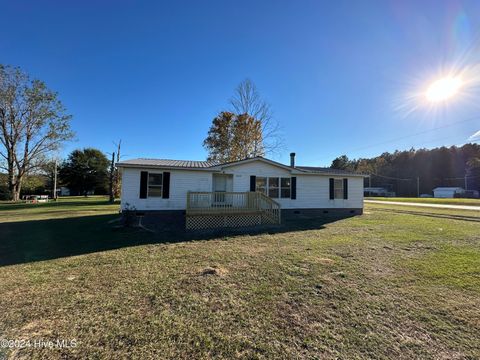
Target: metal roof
x,y
448,188
215,165
322,170
169,163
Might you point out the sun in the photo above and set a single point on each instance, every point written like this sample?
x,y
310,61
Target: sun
x,y
443,89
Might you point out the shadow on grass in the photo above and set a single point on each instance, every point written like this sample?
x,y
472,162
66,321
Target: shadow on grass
x,y
434,215
29,241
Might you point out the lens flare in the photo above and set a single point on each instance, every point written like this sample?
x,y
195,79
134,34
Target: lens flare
x,y
443,89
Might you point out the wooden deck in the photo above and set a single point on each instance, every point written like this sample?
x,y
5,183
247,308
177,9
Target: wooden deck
x,y
230,209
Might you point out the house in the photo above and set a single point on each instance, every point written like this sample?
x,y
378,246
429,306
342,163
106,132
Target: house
x,y
246,192
448,192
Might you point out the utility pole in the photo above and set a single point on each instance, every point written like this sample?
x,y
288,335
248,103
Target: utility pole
x,y
116,178
418,186
55,181
112,169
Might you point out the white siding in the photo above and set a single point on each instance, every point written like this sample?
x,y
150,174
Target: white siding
x,y
181,181
312,190
241,173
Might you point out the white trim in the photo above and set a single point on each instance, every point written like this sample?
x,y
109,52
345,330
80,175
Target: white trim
x,y
157,186
335,189
279,188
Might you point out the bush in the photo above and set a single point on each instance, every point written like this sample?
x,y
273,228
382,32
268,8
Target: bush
x,y
5,194
129,216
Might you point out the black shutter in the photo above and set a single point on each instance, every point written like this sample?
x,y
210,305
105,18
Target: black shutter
x,y
143,184
253,180
345,188
293,191
166,185
332,189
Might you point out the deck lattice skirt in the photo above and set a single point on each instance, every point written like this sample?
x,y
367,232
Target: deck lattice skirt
x,y
221,221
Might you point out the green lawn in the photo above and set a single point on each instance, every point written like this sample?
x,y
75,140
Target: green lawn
x,y
455,201
389,284
65,207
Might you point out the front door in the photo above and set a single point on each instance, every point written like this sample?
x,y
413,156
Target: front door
x,y
222,184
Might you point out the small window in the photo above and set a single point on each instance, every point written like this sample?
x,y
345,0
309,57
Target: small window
x,y
338,188
285,187
273,188
155,182
261,184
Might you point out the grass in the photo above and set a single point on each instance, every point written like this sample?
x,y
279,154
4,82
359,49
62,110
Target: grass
x,y
455,201
65,207
388,284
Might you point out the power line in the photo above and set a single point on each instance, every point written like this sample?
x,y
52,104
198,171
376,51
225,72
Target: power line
x,y
390,177
461,178
416,134
414,178
418,145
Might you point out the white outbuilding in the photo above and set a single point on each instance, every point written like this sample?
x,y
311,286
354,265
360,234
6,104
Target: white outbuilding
x,y
447,192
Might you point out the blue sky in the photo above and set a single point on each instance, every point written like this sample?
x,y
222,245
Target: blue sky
x,y
336,73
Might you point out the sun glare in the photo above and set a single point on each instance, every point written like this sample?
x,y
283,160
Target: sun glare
x,y
443,89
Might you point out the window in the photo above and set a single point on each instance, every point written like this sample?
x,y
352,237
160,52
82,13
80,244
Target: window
x,y
285,187
155,182
273,187
338,188
261,185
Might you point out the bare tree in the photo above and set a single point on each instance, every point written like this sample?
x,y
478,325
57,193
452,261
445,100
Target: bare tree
x,y
33,124
247,100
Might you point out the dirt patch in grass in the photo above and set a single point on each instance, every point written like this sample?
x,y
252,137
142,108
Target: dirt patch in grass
x,y
213,270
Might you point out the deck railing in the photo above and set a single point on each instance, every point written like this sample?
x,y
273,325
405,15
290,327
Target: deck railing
x,y
269,207
225,203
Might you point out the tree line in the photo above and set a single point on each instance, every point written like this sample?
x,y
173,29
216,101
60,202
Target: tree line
x,y
83,172
399,171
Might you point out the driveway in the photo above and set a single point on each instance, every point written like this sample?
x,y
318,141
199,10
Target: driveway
x,y
443,206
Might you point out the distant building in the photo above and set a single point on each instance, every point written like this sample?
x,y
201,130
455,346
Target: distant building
x,y
378,191
448,192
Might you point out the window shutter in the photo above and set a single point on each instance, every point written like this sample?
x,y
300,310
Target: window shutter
x,y
166,185
332,189
143,184
345,188
293,191
253,180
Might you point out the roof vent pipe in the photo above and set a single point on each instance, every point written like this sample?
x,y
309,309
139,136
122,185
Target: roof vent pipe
x,y
292,160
